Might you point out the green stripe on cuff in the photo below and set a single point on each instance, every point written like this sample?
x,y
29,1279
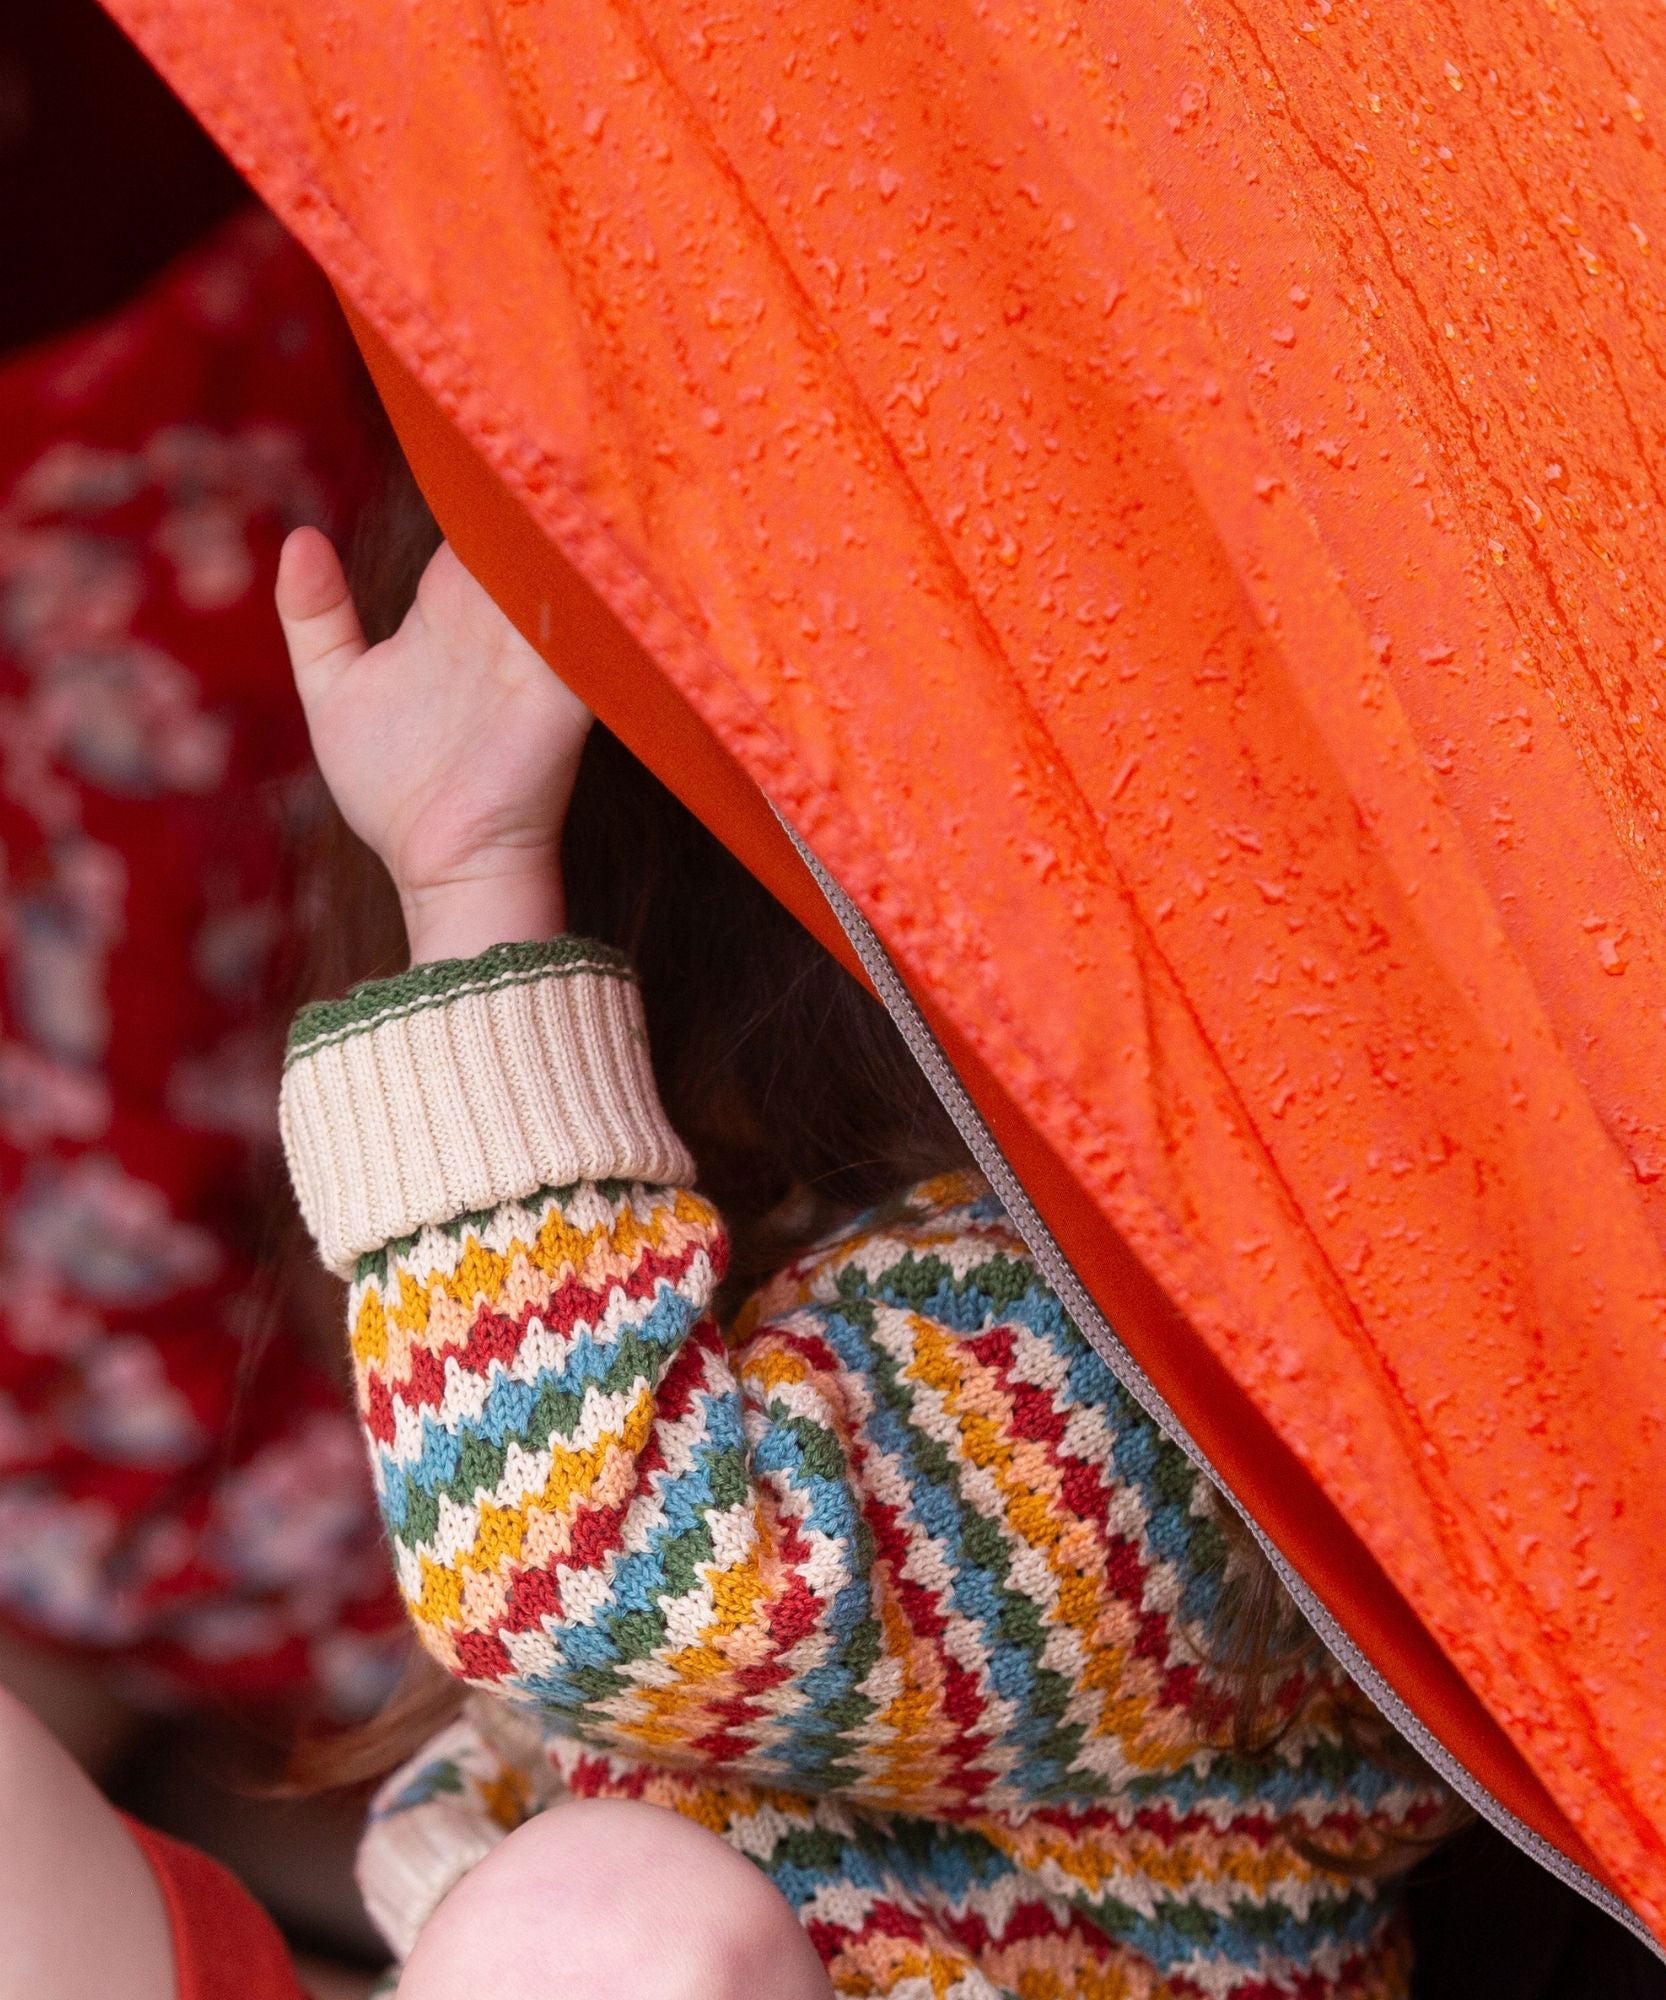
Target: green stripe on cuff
x,y
376,1001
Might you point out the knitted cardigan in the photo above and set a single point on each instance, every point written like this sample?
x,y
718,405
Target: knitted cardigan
x,y
890,1582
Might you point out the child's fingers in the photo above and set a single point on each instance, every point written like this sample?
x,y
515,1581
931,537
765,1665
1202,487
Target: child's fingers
x,y
320,621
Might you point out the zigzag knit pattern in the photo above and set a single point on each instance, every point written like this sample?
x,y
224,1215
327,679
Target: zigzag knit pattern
x,y
891,1583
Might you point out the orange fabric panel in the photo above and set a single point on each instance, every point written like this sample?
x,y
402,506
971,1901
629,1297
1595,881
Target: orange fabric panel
x,y
501,544
1163,500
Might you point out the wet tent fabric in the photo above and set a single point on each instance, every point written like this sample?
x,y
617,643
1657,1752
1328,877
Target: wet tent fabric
x,y
1166,503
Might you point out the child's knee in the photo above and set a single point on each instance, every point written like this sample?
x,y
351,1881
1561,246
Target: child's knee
x,y
613,1900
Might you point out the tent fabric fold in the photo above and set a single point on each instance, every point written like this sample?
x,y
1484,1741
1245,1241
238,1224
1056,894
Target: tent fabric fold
x,y
1165,503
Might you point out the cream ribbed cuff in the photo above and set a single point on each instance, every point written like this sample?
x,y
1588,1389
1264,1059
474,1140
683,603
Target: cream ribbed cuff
x,y
410,1863
458,1086
422,1838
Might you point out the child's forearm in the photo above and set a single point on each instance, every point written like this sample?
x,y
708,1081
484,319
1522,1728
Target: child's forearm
x,y
592,1509
479,1147
813,1549
433,1099
501,904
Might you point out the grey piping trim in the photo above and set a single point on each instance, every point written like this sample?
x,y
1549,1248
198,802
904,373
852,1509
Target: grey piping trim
x,y
1097,1330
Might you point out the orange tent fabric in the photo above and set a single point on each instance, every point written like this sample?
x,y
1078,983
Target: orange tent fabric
x,y
1167,504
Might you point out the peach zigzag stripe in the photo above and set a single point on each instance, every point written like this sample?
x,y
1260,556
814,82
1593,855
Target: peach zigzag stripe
x,y
524,1272
573,1479
1035,1517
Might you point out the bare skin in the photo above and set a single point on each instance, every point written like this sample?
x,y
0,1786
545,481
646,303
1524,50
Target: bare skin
x,y
81,1916
608,1899
450,748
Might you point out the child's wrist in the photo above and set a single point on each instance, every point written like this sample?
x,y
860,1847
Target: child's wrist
x,y
462,919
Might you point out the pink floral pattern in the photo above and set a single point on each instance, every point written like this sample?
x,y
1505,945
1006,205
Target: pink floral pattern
x,y
181,1488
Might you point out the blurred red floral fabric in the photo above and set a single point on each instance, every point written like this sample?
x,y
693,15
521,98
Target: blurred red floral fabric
x,y
181,1489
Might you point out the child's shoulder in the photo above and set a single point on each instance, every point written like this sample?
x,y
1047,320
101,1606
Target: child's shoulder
x,y
944,1247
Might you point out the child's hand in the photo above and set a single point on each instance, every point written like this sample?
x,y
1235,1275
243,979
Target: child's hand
x,y
451,748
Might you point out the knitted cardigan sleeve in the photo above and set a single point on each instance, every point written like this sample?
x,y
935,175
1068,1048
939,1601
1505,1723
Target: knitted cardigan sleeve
x,y
896,1539
593,1506
478,1148
897,1535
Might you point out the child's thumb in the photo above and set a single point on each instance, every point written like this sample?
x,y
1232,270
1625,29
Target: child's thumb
x,y
320,622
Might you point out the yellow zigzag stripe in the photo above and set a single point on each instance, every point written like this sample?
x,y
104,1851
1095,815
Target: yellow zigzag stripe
x,y
927,1232
665,1717
557,1251
1035,1512
502,1530
1095,1857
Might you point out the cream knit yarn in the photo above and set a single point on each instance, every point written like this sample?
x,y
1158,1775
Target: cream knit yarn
x,y
468,1083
